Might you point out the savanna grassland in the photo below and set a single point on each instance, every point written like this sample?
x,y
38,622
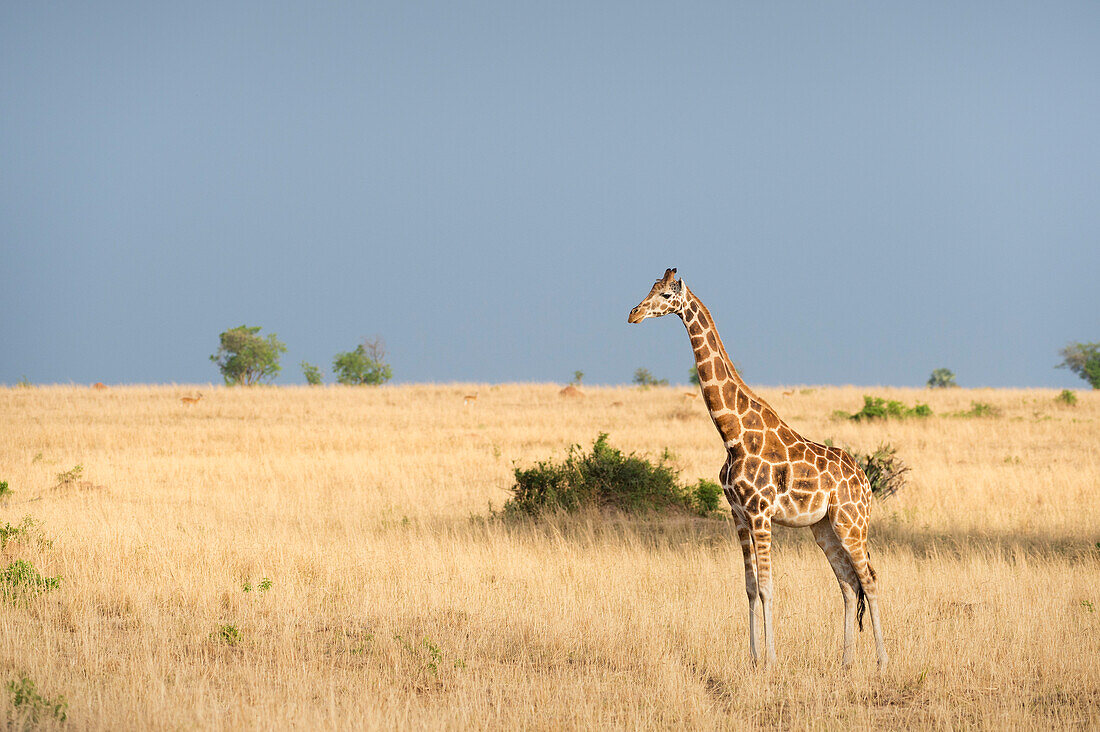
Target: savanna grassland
x,y
320,558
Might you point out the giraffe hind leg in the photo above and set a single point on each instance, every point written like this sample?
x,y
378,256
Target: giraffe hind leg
x,y
854,542
850,588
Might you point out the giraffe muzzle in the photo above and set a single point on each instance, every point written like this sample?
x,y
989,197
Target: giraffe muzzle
x,y
636,316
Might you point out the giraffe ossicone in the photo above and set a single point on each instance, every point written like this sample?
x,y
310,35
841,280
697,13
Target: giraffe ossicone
x,y
774,475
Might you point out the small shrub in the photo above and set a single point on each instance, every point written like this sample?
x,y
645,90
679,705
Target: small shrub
x,y
1067,397
32,705
577,376
68,477
980,409
312,373
604,478
24,383
644,379
9,533
429,655
4,490
879,408
228,634
884,470
263,586
693,376
22,580
941,379
706,496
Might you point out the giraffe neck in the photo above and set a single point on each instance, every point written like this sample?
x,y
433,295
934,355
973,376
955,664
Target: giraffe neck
x,y
724,391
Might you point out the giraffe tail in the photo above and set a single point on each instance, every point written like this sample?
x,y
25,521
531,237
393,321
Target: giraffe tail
x,y
861,606
861,596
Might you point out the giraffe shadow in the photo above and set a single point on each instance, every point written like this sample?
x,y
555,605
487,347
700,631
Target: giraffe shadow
x,y
927,542
663,531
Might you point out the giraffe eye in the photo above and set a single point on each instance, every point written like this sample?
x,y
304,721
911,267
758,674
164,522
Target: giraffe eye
x,y
666,294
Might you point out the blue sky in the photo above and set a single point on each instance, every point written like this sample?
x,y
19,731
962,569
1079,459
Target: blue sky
x,y
860,192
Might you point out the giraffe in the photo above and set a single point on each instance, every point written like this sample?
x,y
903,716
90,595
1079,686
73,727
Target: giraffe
x,y
774,475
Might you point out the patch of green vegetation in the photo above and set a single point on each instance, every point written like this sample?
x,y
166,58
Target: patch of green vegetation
x,y
19,532
1067,397
263,586
884,469
68,477
4,490
32,706
228,634
605,478
706,495
880,408
979,409
429,654
20,580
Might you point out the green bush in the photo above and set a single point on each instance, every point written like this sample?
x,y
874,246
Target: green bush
x,y
1067,397
22,580
941,379
605,478
879,408
245,358
693,376
4,490
706,496
979,409
228,634
32,706
20,532
883,468
364,365
68,477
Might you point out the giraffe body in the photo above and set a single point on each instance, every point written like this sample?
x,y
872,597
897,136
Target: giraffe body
x,y
774,475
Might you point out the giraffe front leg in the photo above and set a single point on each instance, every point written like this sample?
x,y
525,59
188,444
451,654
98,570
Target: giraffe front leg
x,y
762,543
751,589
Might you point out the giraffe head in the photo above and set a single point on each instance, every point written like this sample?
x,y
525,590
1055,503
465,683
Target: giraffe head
x,y
667,296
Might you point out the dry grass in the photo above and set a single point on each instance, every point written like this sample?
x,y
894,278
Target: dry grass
x,y
392,604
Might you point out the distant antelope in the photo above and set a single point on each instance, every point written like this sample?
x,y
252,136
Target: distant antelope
x,y
788,393
690,394
99,385
469,399
191,399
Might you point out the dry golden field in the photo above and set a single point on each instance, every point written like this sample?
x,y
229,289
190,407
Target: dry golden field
x,y
391,602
